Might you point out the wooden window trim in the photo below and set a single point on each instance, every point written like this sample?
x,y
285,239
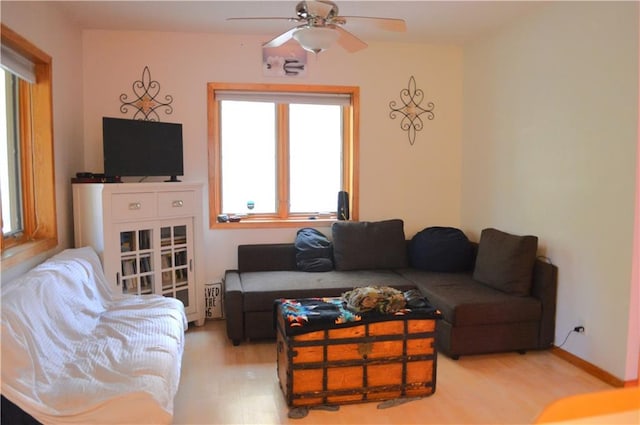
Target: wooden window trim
x,y
350,155
39,201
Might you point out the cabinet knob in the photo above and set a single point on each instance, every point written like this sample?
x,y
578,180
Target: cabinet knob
x,y
135,206
177,204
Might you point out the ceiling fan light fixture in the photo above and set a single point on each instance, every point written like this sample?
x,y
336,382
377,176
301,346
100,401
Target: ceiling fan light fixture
x,y
316,39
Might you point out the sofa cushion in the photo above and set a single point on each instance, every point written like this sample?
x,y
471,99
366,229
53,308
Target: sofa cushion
x,y
266,257
369,245
466,302
505,261
441,249
260,289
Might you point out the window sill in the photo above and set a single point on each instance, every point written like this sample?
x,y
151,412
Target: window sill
x,y
272,224
17,254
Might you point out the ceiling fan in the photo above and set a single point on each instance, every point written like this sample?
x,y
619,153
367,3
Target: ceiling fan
x,y
321,26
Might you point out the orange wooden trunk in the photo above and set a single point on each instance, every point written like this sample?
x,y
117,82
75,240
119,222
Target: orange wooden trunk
x,y
366,362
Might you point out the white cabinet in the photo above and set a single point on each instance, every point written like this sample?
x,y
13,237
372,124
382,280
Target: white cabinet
x,y
148,236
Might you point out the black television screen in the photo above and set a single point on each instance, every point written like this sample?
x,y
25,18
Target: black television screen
x,y
142,148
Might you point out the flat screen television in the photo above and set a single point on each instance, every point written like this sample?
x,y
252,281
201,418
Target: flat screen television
x,y
139,148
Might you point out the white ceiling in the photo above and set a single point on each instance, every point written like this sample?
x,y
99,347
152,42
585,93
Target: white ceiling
x,y
427,21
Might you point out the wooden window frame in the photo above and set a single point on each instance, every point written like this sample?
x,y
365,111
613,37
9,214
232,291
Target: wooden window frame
x,y
36,132
283,219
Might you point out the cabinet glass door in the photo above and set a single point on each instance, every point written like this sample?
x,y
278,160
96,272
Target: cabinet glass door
x,y
176,264
136,260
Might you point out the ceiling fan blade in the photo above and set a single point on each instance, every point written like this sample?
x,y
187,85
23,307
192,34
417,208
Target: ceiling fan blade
x,y
281,39
348,41
388,24
270,18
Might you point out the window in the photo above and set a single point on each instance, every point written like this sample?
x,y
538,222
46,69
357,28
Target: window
x,y
27,189
10,174
279,154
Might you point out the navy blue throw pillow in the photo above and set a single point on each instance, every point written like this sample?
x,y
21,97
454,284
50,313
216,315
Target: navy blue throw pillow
x,y
314,251
441,249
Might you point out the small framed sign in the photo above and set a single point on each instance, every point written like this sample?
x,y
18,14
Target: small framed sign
x,y
213,300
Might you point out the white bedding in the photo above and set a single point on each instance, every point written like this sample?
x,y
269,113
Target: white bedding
x,y
75,352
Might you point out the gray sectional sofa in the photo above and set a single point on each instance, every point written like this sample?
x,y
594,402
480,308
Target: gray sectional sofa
x,y
503,300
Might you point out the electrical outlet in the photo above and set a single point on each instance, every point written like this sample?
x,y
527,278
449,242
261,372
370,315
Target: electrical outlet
x,y
579,329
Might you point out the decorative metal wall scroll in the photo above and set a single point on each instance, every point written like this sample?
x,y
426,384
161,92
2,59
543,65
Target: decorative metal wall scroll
x,y
146,103
411,110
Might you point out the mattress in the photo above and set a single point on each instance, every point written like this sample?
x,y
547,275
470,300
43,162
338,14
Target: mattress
x,y
74,351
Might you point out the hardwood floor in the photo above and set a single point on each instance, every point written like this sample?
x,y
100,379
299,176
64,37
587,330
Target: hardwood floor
x,y
223,384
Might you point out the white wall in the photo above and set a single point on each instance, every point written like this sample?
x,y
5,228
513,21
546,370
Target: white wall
x,y
44,26
549,148
419,183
